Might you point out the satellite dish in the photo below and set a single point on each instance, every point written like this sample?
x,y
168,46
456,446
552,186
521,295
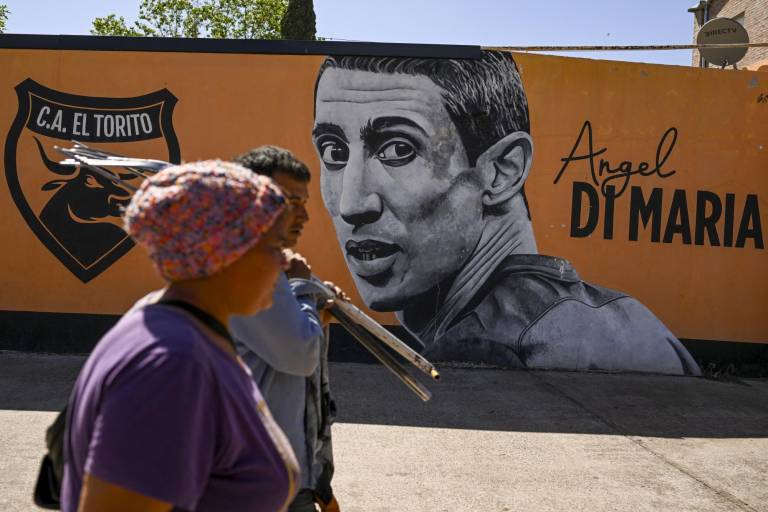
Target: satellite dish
x,y
722,31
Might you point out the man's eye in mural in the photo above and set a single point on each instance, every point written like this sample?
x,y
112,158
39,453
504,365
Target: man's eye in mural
x,y
333,152
396,153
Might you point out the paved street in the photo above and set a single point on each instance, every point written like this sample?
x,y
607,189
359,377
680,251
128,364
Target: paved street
x,y
490,440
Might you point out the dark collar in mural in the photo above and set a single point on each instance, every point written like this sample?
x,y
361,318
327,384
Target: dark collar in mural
x,y
535,311
519,291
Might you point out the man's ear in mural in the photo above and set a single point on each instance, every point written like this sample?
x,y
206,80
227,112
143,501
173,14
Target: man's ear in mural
x,y
505,167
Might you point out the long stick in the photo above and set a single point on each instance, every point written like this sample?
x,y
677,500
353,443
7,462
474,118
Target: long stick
x,y
106,174
379,332
389,339
368,341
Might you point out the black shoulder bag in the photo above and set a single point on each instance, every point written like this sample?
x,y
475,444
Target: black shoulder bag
x,y
48,486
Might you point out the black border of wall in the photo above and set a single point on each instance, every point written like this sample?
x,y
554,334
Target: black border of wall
x,y
280,47
77,333
57,333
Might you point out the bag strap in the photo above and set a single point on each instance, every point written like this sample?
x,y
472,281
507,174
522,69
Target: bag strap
x,y
205,318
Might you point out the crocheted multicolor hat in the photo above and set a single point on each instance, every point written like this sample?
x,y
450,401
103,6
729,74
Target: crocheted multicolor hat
x,y
195,219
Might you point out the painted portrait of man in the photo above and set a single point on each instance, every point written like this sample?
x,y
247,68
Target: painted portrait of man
x,y
423,171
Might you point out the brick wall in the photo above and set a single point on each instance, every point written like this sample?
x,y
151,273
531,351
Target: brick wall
x,y
755,21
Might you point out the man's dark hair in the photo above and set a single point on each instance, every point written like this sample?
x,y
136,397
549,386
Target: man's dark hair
x,y
484,97
269,160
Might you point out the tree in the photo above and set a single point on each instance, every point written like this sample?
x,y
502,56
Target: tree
x,y
3,17
113,25
299,21
245,19
235,19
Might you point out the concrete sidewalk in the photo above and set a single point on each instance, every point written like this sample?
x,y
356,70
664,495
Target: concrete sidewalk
x,y
490,440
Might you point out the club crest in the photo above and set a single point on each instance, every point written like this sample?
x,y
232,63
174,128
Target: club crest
x,y
74,211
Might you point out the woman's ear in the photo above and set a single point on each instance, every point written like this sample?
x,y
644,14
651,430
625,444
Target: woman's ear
x,y
505,167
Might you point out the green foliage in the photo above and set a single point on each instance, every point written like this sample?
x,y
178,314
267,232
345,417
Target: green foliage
x,y
3,17
113,26
245,19
235,19
299,21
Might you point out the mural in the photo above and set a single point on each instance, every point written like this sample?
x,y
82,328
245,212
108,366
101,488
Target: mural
x,y
423,170
524,211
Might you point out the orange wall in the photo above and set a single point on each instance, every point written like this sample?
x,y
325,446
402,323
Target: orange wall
x,y
228,103
700,292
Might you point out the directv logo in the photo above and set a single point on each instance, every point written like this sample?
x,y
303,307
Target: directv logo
x,y
715,32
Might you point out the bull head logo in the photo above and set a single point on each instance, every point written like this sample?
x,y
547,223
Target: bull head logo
x,y
73,211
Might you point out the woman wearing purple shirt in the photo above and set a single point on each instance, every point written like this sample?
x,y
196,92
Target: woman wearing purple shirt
x,y
164,415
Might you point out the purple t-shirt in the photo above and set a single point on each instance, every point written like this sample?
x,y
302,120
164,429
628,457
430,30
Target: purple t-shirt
x,y
161,410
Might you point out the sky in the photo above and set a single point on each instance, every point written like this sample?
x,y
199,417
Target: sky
x,y
476,22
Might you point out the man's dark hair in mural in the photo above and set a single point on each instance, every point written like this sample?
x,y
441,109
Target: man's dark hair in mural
x,y
423,167
78,213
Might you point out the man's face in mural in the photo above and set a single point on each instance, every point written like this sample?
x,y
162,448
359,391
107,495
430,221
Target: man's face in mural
x,y
406,206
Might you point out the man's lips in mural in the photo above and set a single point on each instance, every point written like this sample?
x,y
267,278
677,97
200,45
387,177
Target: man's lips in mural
x,y
368,258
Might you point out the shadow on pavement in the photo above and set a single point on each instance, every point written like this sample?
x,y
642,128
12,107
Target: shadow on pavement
x,y
37,382
482,399
564,402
